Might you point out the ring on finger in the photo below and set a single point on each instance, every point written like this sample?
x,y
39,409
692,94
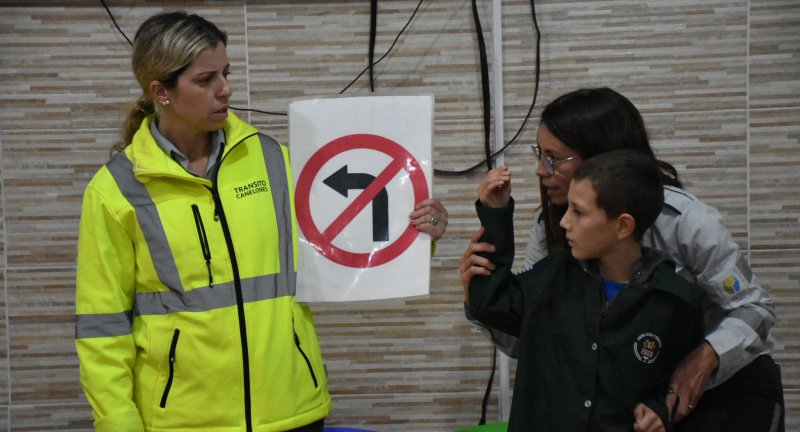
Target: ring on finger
x,y
434,220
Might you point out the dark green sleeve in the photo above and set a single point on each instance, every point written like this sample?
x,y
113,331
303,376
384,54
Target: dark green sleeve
x,y
658,403
496,300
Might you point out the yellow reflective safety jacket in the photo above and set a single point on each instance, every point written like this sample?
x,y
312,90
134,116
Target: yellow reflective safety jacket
x,y
186,317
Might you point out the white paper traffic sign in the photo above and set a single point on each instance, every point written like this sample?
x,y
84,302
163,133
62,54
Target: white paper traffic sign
x,y
360,165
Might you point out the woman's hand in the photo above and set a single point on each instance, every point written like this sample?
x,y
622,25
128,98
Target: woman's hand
x,y
646,420
430,216
495,188
689,379
473,264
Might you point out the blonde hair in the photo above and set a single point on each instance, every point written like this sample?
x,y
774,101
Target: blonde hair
x,y
164,46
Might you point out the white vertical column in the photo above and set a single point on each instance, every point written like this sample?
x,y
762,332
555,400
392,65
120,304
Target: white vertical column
x,y
504,398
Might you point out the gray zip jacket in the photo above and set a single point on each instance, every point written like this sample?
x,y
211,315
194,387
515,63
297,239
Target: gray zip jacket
x,y
739,313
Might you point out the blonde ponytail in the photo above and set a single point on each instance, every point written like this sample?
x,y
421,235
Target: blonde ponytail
x,y
141,109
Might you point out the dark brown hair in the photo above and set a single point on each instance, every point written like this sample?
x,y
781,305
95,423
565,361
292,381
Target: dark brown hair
x,y
594,121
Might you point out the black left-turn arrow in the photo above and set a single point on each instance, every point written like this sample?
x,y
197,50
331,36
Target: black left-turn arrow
x,y
341,181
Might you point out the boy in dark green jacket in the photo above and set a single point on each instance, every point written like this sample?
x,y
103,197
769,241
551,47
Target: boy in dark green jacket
x,y
601,326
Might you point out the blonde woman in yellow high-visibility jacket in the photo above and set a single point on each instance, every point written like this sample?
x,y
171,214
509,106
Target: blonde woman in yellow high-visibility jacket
x,y
186,316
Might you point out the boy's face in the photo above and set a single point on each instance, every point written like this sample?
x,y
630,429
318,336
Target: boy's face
x,y
590,232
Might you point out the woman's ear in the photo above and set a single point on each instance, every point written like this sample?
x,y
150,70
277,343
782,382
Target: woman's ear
x,y
159,92
626,226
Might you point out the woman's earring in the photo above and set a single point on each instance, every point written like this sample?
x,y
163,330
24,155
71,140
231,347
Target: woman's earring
x,y
165,103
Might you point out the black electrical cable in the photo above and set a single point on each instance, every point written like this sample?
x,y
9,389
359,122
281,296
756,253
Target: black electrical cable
x,y
488,392
258,111
527,116
487,102
115,22
373,29
387,51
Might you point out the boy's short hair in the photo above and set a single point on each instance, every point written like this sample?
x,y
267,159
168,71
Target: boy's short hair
x,y
626,181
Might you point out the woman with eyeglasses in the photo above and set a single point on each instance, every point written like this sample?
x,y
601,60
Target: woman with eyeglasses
x,y
729,382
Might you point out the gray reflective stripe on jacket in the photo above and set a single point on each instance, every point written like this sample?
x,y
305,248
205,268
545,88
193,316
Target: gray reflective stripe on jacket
x,y
205,298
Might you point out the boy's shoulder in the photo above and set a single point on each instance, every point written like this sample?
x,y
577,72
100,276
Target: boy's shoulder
x,y
555,270
664,278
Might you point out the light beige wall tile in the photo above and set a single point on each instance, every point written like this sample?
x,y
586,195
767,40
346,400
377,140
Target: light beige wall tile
x,y
775,178
774,53
45,174
777,271
709,151
56,417
407,413
2,209
670,56
41,311
4,367
67,67
5,414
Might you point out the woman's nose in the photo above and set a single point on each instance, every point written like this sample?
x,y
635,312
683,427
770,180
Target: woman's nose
x,y
226,91
541,171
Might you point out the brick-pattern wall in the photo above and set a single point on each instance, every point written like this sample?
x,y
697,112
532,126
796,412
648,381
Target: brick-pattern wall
x,y
718,82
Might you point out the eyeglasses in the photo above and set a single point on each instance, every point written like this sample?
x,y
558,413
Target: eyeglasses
x,y
549,161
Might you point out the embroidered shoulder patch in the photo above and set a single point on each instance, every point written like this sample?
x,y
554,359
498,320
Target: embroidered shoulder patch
x,y
731,285
647,347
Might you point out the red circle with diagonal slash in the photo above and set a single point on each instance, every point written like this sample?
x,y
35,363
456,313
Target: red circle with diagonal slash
x,y
322,240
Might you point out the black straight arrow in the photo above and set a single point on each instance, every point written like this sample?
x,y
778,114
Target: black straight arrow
x,y
341,181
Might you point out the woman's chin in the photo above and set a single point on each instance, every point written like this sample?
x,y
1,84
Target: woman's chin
x,y
557,197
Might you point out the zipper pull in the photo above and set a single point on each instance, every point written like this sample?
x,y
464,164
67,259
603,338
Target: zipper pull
x,y
204,247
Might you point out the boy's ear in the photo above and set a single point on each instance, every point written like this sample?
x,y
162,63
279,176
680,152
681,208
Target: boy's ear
x,y
626,225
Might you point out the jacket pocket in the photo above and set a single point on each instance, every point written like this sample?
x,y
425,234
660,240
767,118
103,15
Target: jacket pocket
x,y
172,348
201,233
305,357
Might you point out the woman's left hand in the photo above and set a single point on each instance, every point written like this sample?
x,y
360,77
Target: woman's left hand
x,y
430,216
689,379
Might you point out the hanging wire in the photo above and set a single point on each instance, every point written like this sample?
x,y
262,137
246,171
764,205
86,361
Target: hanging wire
x,y
373,28
387,51
485,90
115,22
527,116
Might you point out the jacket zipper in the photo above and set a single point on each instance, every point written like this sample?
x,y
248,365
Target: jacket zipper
x,y
305,357
237,285
201,233
171,359
219,214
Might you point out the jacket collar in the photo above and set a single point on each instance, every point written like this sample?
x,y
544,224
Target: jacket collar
x,y
149,159
641,270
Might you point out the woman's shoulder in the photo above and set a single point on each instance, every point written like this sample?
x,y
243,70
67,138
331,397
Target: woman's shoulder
x,y
681,202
